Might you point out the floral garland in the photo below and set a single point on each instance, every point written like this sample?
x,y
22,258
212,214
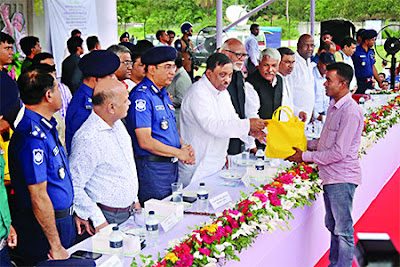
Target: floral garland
x,y
382,92
377,123
266,209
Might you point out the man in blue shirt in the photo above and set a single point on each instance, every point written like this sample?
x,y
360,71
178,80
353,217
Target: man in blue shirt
x,y
152,126
364,62
98,64
40,174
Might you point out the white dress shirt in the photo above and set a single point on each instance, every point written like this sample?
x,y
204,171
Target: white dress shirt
x,y
251,45
321,99
103,168
208,121
301,83
347,59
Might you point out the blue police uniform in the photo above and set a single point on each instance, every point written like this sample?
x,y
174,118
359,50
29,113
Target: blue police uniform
x,y
152,108
78,111
36,155
363,62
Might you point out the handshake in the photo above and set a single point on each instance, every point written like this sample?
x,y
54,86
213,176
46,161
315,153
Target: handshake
x,y
256,129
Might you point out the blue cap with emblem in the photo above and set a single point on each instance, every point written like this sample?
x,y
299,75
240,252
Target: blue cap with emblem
x,y
369,34
185,27
327,58
159,54
99,63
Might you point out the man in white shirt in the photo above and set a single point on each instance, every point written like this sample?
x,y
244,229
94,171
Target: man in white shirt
x,y
252,49
162,38
102,162
286,67
321,104
301,80
344,55
208,120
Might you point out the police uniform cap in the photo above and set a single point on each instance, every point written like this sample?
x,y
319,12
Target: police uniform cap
x,y
327,58
128,45
125,35
99,63
185,27
369,34
159,54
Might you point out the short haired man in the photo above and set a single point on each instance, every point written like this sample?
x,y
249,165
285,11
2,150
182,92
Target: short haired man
x,y
9,100
185,46
71,75
124,70
76,32
385,85
30,46
286,66
364,62
93,43
252,49
344,55
321,99
336,154
171,35
97,65
152,126
301,80
40,174
209,120
242,98
162,38
105,186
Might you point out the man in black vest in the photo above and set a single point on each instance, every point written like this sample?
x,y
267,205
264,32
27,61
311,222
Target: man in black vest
x,y
267,84
236,51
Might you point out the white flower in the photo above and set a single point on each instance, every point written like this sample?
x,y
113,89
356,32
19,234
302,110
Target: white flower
x,y
218,214
238,233
220,248
211,264
227,244
219,223
303,191
197,255
287,204
198,237
222,255
174,242
211,260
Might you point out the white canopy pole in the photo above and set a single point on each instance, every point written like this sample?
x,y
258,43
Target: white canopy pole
x,y
220,13
312,17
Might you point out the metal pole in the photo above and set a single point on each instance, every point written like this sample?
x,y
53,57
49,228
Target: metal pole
x,y
219,22
312,17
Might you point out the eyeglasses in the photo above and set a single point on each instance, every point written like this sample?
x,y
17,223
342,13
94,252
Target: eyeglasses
x,y
168,67
127,63
238,55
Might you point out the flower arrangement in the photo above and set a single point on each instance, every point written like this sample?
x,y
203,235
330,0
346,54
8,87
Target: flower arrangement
x,y
264,210
382,92
377,123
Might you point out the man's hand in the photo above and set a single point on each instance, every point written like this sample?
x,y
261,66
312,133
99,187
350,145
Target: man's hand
x,y
260,135
4,125
58,253
296,157
136,206
187,155
303,116
101,226
83,226
257,125
12,238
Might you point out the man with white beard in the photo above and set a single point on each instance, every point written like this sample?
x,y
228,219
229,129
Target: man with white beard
x,y
240,97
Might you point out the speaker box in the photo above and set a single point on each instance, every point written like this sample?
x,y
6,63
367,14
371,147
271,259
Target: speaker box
x,y
339,28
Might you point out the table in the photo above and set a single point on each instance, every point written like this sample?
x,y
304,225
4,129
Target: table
x,y
308,238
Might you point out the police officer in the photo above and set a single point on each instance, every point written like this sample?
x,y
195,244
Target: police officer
x,y
185,46
364,62
98,64
152,126
40,174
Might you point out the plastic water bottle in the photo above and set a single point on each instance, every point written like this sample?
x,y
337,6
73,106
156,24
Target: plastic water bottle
x,y
152,230
116,243
259,169
361,101
202,198
260,154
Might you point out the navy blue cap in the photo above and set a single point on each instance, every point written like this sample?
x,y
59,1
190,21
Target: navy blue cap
x,y
159,54
369,34
327,58
185,27
99,63
124,35
128,45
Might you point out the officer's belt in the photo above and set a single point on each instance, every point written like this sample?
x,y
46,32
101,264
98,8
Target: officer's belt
x,y
118,210
156,158
59,214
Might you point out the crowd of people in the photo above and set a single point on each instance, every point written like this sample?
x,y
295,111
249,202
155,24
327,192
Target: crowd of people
x,y
124,123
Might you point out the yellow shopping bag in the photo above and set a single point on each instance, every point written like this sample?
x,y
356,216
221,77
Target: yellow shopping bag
x,y
4,151
284,135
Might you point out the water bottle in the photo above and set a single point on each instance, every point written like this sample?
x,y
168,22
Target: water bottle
x,y
259,169
152,230
202,199
361,101
116,243
260,154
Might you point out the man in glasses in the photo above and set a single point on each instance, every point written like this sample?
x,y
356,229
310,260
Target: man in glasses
x,y
241,100
124,70
152,127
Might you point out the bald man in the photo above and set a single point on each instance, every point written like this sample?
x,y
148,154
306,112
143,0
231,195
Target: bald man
x,y
241,100
301,80
102,161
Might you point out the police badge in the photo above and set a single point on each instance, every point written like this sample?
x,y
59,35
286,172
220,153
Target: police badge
x,y
37,156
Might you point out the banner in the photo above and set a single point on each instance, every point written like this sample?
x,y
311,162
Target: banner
x,y
62,16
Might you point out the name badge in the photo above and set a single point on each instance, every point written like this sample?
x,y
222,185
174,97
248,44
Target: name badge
x,y
220,200
160,107
56,151
61,173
